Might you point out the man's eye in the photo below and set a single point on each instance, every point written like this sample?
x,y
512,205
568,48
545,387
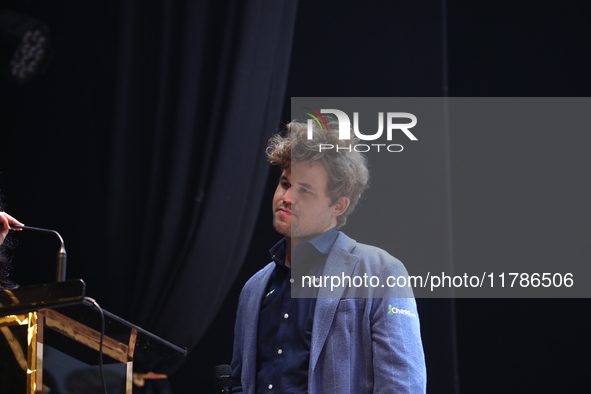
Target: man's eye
x,y
305,191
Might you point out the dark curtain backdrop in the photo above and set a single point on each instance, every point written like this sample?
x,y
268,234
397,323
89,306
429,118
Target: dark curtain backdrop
x,y
200,90
143,145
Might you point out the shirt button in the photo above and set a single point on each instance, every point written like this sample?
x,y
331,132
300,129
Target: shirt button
x,y
285,316
279,351
291,280
270,386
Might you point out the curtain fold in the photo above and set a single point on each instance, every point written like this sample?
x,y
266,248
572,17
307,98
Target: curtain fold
x,y
200,90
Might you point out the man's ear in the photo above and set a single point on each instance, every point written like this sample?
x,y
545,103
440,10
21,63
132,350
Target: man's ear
x,y
341,205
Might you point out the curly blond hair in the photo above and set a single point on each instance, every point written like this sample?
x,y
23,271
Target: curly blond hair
x,y
348,175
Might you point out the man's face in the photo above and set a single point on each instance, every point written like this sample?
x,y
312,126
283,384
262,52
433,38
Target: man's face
x,y
302,208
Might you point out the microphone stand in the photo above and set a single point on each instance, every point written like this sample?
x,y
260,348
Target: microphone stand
x,y
61,255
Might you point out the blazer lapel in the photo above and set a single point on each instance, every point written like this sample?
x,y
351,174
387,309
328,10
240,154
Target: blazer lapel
x,y
251,315
339,262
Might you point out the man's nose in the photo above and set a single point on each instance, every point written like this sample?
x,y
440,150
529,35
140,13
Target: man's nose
x,y
287,196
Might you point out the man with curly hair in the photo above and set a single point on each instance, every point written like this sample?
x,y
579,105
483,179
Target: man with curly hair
x,y
328,340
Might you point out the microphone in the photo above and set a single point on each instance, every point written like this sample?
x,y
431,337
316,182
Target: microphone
x,y
61,255
223,379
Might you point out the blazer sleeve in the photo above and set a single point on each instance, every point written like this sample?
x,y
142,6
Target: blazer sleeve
x,y
397,348
398,358
244,352
237,353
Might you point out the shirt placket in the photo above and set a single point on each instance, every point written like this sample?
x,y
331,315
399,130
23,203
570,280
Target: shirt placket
x,y
282,334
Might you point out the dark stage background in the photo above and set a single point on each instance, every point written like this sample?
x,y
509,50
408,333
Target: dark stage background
x,y
143,142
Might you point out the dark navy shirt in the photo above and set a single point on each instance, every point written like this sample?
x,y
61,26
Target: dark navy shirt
x,y
285,323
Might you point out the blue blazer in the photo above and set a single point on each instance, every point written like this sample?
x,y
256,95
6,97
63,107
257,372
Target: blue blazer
x,y
359,345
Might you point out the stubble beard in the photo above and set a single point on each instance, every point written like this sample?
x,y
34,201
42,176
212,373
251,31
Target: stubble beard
x,y
282,227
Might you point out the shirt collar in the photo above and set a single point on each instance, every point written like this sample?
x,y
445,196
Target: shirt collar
x,y
278,252
323,243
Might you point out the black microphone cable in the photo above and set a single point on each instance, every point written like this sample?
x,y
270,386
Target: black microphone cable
x,y
98,307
